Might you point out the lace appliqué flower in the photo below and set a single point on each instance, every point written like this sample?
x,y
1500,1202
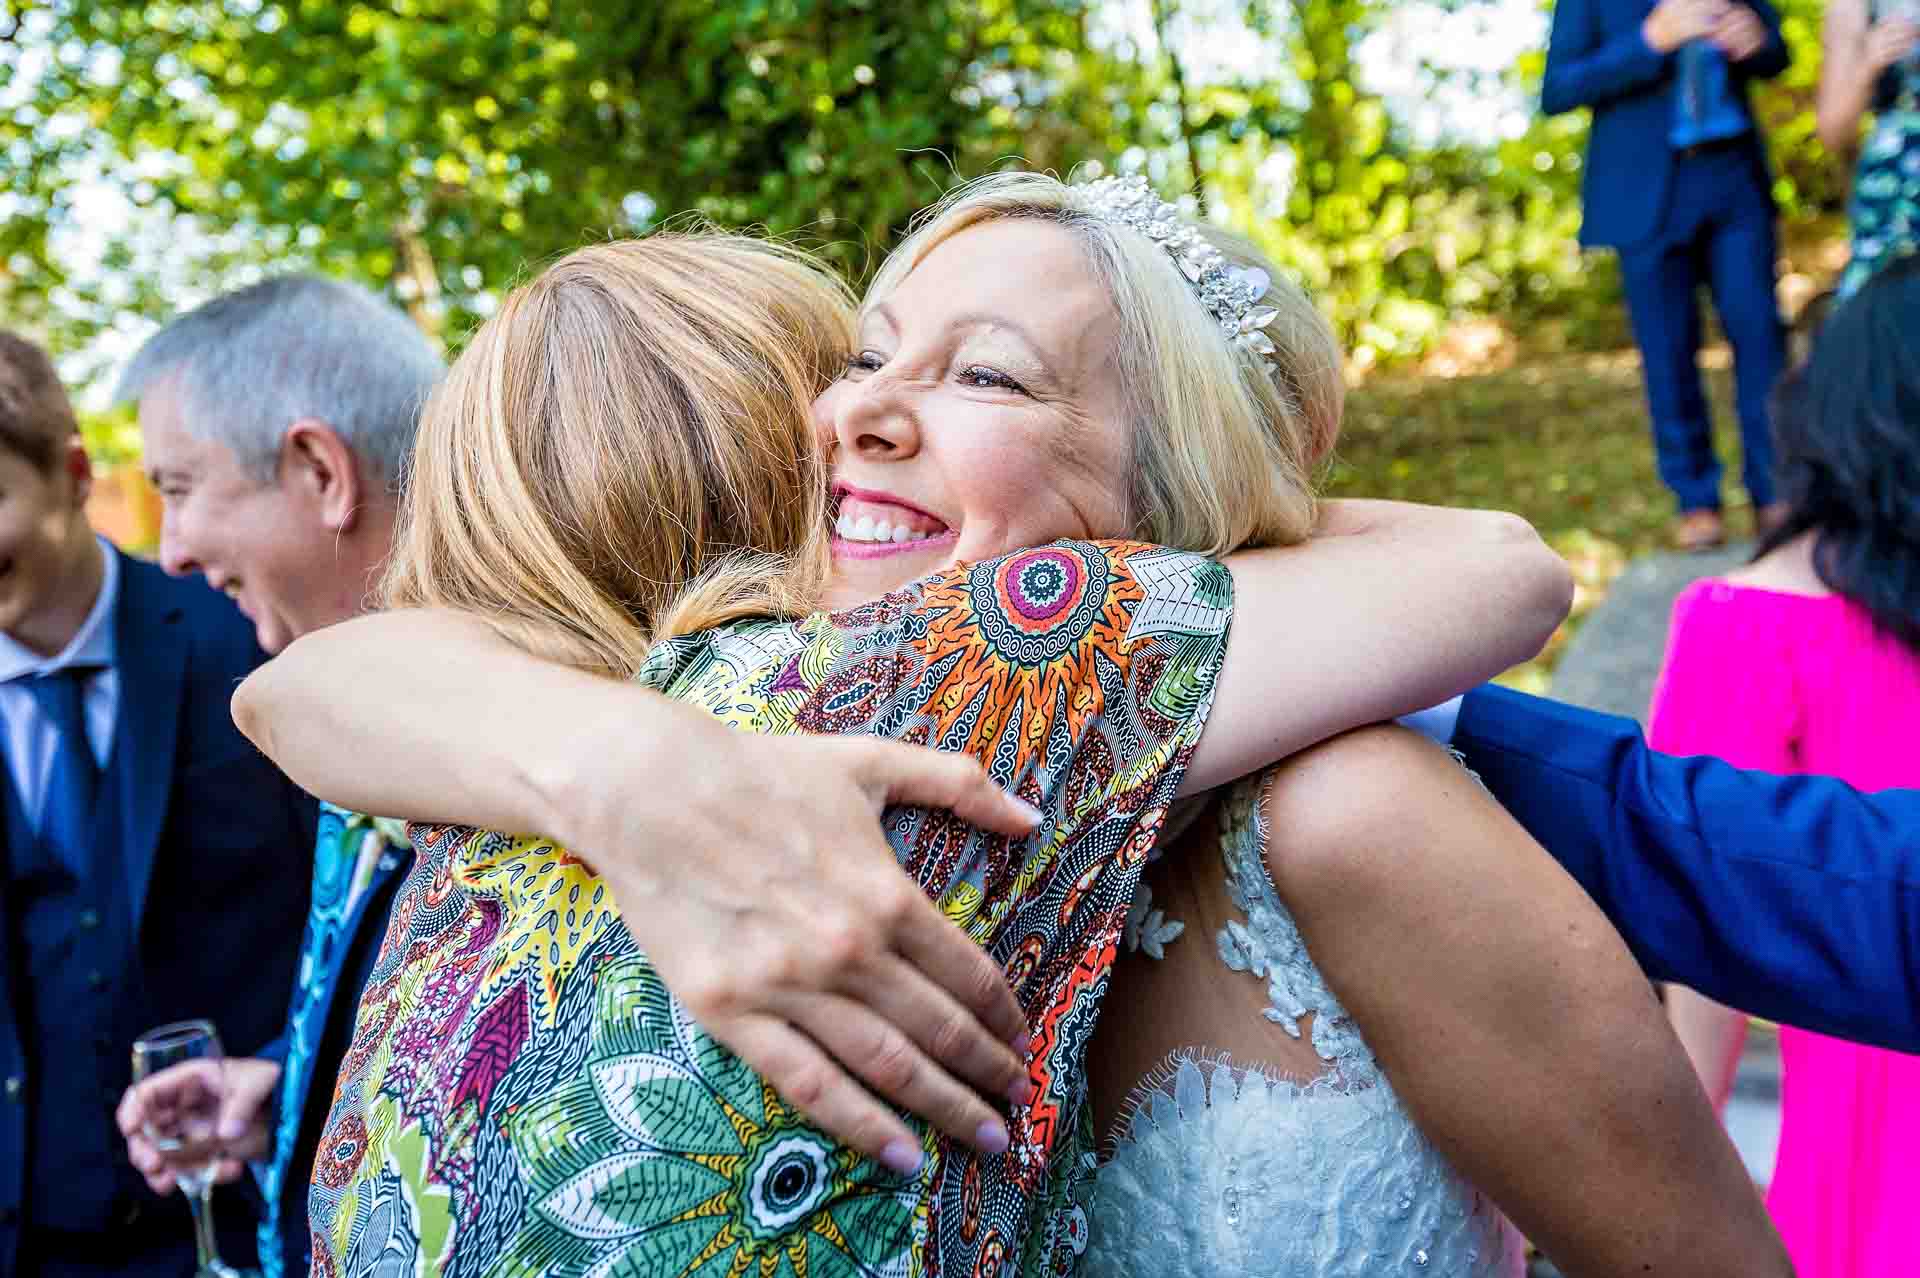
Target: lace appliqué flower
x,y
1149,930
1269,945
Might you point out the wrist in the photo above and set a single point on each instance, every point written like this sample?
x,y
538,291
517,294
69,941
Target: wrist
x,y
635,762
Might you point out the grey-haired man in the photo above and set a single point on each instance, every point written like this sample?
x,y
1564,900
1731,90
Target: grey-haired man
x,y
275,421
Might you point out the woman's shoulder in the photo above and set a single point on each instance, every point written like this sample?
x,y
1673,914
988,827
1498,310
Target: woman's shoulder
x,y
1777,588
1747,618
1134,590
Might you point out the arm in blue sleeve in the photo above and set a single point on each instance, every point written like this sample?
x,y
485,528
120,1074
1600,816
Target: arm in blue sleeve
x,y
1793,898
1583,70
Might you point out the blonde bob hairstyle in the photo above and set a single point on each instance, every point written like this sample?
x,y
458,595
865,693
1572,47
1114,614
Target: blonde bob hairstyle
x,y
619,448
1224,441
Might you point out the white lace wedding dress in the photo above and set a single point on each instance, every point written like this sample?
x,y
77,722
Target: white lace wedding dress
x,y
1219,1170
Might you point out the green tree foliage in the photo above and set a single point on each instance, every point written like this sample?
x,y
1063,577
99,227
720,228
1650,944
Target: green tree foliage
x,y
436,148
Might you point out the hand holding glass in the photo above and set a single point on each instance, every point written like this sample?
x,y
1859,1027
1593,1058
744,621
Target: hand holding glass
x,y
186,1121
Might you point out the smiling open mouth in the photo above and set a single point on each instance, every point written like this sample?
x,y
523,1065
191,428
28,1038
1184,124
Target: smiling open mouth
x,y
867,523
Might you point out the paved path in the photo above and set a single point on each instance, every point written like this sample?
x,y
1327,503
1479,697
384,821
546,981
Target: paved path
x,y
1611,665
1612,661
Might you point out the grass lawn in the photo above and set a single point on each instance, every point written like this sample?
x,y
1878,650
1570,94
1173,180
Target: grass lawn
x,y
1561,439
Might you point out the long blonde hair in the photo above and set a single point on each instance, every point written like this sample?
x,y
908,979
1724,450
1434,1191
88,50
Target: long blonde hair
x,y
623,452
1224,441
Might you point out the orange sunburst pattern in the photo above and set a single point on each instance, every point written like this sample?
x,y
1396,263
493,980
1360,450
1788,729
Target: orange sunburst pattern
x,y
1029,629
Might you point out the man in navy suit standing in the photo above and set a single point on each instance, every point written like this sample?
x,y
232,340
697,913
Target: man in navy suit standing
x,y
275,421
1676,180
150,852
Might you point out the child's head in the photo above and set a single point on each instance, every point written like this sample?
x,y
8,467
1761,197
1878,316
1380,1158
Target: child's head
x,y
1847,431
632,422
44,483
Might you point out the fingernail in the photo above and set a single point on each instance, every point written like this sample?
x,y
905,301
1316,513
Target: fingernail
x,y
902,1157
1020,1091
992,1137
1034,815
232,1129
1021,1043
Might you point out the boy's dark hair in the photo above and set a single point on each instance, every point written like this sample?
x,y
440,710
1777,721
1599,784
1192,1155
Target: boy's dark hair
x,y
36,417
1846,427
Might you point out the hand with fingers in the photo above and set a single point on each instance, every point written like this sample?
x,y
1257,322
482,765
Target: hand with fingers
x,y
786,926
1889,42
1675,22
245,1087
1739,33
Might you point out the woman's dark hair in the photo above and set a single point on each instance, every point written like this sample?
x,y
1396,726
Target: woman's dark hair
x,y
1846,426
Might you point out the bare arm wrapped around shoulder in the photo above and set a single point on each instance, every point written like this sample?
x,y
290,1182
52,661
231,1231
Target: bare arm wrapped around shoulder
x,y
752,869
1390,608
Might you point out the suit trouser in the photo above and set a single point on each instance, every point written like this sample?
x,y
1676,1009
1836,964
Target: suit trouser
x,y
1719,230
154,1240
111,1254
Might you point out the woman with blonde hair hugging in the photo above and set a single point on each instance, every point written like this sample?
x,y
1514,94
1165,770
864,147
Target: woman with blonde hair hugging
x,y
1040,372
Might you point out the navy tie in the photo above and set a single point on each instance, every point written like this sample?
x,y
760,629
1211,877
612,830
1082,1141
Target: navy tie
x,y
66,814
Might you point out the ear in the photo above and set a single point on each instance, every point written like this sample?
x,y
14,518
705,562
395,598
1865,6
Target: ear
x,y
317,463
73,462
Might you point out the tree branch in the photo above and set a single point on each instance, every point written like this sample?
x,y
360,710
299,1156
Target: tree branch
x,y
1189,137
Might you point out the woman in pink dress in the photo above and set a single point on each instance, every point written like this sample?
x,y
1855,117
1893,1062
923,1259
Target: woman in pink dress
x,y
1808,660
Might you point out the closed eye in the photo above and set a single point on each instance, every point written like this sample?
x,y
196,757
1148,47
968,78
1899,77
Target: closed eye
x,y
981,375
863,362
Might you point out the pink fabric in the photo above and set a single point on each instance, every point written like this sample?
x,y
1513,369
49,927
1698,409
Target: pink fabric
x,y
1796,683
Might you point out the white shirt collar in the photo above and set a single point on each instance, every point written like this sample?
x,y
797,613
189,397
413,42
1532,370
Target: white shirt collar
x,y
91,645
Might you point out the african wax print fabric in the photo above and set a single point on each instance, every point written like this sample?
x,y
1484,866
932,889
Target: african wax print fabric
x,y
1883,213
524,1096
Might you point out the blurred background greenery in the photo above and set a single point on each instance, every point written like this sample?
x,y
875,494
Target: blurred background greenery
x,y
1386,151
436,147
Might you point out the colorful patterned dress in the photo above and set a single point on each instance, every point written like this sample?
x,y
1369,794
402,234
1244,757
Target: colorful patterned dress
x,y
1884,213
524,1096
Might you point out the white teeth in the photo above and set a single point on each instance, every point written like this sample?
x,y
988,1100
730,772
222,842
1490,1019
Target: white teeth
x,y
869,529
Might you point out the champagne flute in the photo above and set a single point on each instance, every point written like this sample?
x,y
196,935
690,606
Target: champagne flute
x,y
190,1124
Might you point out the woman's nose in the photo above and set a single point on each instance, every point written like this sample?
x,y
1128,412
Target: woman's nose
x,y
876,419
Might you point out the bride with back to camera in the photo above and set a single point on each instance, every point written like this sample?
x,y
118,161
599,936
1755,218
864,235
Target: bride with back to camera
x,y
1317,1088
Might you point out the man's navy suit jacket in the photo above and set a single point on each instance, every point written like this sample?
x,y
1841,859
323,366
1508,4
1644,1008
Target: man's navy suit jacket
x,y
215,845
1596,57
1794,898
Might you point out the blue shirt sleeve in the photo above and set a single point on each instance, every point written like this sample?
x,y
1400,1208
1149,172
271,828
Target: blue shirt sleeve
x,y
1435,722
1793,898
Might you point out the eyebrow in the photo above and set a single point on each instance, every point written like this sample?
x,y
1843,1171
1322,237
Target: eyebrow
x,y
978,320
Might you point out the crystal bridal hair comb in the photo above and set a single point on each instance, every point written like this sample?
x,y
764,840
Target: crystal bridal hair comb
x,y
1232,294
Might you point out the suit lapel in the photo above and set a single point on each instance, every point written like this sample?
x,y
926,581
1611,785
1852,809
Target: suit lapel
x,y
150,649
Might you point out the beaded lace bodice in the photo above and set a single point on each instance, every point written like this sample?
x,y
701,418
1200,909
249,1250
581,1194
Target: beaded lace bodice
x,y
1220,1170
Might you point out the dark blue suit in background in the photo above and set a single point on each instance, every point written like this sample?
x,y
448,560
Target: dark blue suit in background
x,y
1794,898
192,907
1678,219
